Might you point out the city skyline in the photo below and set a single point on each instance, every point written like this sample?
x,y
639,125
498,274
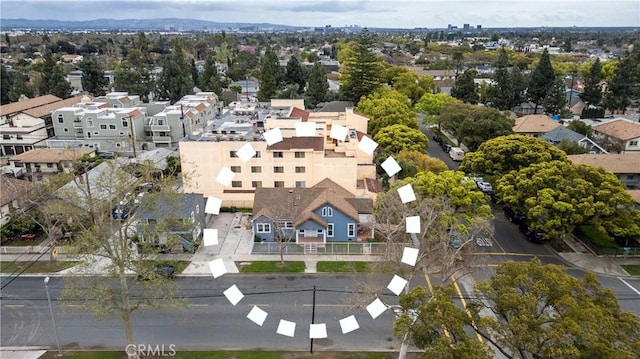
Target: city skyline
x,y
365,13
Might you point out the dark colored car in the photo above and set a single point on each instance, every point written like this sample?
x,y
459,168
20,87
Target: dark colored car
x,y
161,270
437,138
514,216
532,235
121,211
446,147
106,154
493,196
147,187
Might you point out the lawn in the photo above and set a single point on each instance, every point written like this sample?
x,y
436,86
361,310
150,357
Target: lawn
x,y
271,267
633,269
342,267
601,241
178,265
231,355
35,267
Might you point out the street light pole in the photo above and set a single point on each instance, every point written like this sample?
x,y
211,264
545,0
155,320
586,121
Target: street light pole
x,y
53,318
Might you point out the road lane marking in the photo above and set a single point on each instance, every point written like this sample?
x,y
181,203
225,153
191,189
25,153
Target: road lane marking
x,y
259,305
326,305
14,305
630,286
197,305
464,304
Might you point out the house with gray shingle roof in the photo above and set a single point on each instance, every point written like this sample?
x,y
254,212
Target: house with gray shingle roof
x,y
560,133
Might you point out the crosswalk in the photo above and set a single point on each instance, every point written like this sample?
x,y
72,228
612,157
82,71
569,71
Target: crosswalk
x,y
484,242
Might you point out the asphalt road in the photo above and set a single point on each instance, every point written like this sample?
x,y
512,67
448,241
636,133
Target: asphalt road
x,y
208,321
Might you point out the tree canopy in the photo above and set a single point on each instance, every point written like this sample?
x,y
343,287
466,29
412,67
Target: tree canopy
x,y
433,103
295,74
318,85
464,88
270,74
394,138
52,78
413,162
93,80
387,107
362,72
592,93
542,77
175,80
473,125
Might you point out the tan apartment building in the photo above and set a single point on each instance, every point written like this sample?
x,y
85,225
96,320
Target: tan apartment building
x,y
40,163
293,162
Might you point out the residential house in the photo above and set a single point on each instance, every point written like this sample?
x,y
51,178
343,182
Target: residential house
x,y
180,217
12,194
625,166
249,87
41,163
529,108
323,213
560,133
635,194
623,134
296,161
534,125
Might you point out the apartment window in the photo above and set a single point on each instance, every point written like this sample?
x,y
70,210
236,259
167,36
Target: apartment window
x,y
18,137
278,184
351,230
160,122
630,177
327,212
633,143
256,169
278,169
236,184
18,164
257,154
89,123
236,169
60,118
300,184
330,229
89,134
256,184
95,133
112,127
49,165
66,130
233,154
263,227
300,169
6,137
125,123
278,154
287,224
299,154
103,126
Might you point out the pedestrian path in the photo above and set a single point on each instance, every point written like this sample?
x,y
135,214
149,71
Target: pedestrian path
x,y
21,353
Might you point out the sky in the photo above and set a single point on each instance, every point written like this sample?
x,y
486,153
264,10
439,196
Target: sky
x,y
369,13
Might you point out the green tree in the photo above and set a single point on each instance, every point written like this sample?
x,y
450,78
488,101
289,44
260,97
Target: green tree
x,y
458,61
318,85
270,74
175,80
473,125
520,82
571,147
503,154
500,92
362,72
387,107
209,79
556,98
580,127
542,312
592,93
465,89
20,87
52,78
413,162
394,138
413,86
133,74
6,82
541,79
295,74
93,79
623,86
433,103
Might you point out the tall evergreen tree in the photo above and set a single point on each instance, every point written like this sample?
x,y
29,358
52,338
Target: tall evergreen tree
x,y
363,72
318,85
295,74
175,80
592,93
519,81
464,88
52,78
556,98
6,82
500,92
20,87
541,79
269,76
194,71
133,74
625,82
209,79
93,80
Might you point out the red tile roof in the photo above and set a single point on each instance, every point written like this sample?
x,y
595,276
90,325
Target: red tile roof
x,y
298,143
296,112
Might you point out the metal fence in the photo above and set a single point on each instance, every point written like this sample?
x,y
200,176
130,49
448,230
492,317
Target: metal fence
x,y
357,248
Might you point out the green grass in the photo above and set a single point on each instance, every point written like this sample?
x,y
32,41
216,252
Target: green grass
x,y
340,267
35,267
272,267
229,355
597,238
178,265
633,269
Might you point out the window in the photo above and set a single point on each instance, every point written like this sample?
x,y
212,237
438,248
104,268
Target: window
x,y
125,123
257,154
49,165
18,164
630,177
256,184
160,122
112,127
60,118
351,229
287,224
278,154
233,154
278,184
300,169
327,212
66,130
330,229
236,169
263,227
299,154
95,133
300,184
193,217
236,184
89,123
633,143
6,137
278,169
18,137
256,169
320,232
103,126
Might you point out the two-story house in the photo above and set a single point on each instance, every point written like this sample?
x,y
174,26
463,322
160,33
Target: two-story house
x,y
534,125
561,133
323,213
295,161
621,134
626,166
41,163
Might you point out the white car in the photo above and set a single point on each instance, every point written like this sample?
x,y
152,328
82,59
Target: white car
x,y
485,186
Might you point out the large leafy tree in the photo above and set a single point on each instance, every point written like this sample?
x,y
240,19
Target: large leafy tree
x,y
503,154
270,75
500,92
175,80
395,138
362,72
52,78
295,74
433,103
580,127
413,162
6,82
624,85
473,125
592,93
465,89
556,98
133,74
387,107
93,79
413,86
209,79
541,79
318,85
542,312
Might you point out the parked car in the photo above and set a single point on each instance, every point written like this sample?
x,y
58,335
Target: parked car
x,y
106,154
161,270
485,187
532,235
28,237
446,147
493,196
147,187
437,138
514,216
121,211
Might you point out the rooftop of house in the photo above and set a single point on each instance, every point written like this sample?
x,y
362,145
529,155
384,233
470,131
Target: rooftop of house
x,y
635,194
169,206
50,155
560,133
12,189
534,124
622,129
32,103
44,110
612,162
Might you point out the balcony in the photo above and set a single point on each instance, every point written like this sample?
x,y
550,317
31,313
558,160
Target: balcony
x,y
157,128
77,124
158,139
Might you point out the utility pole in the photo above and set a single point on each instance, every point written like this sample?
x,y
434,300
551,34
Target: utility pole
x,y
133,137
313,313
184,131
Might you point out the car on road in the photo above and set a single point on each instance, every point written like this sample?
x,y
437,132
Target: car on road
x,y
493,196
437,138
532,235
485,187
446,147
514,216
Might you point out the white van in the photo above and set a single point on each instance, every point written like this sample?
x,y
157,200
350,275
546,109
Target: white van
x,y
456,153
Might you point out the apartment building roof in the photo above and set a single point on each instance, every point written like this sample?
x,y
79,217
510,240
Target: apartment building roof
x,y
14,107
534,124
298,143
612,162
47,109
296,112
50,155
620,128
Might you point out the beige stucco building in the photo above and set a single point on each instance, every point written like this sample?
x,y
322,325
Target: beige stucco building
x,y
293,162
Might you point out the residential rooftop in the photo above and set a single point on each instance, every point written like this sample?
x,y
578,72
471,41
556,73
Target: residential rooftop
x,y
612,162
50,155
